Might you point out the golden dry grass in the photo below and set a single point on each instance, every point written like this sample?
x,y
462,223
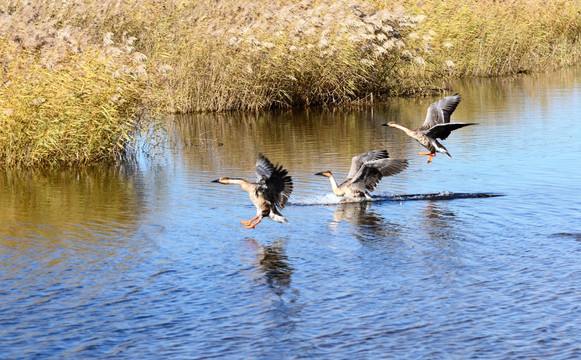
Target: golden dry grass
x,y
505,37
66,98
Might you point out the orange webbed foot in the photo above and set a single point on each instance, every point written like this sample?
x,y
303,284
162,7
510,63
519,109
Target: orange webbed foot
x,y
430,155
252,226
249,221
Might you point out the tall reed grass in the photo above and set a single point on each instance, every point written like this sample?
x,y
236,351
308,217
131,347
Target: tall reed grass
x,y
247,55
481,38
74,75
66,97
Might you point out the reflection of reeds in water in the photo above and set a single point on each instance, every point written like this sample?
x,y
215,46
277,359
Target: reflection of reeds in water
x,y
294,137
316,139
75,196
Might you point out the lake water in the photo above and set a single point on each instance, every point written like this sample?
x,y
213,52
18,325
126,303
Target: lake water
x,y
150,261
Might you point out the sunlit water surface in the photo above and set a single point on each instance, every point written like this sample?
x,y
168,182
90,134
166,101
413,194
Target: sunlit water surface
x,y
150,261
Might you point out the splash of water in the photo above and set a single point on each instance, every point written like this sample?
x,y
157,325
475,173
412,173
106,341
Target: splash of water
x,y
330,199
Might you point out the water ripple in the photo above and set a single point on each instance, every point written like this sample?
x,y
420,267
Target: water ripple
x,y
155,264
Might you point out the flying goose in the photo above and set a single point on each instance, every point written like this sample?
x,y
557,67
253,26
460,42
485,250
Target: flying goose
x,y
436,126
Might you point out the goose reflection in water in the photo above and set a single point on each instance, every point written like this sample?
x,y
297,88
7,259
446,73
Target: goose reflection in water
x,y
438,221
355,213
438,236
272,262
366,221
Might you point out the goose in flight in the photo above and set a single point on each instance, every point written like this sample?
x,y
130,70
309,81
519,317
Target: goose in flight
x,y
436,126
366,172
269,193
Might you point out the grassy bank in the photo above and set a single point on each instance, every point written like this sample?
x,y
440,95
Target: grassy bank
x,y
75,75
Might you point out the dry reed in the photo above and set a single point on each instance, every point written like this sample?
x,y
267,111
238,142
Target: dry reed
x,y
66,98
480,38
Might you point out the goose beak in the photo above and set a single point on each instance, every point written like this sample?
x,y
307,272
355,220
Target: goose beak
x,y
388,123
319,173
216,181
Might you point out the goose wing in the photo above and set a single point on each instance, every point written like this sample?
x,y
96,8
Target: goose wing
x,y
274,182
358,161
442,131
371,173
440,111
263,169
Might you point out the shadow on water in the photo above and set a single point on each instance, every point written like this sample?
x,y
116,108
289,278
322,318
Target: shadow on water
x,y
357,213
435,216
275,272
371,225
566,235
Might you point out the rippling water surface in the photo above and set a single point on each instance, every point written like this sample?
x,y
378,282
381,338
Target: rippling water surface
x,y
152,262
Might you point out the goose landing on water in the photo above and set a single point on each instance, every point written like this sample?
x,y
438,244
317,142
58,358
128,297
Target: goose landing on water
x,y
366,172
269,193
436,126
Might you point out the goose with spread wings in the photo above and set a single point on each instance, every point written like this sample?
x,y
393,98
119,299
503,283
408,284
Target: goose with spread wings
x,y
366,172
269,193
436,126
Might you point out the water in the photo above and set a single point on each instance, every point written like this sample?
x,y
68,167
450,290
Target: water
x,y
151,261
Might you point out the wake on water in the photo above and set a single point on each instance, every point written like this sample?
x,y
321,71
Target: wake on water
x,y
331,199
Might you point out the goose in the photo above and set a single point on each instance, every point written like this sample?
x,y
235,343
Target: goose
x,y
269,193
437,125
366,172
